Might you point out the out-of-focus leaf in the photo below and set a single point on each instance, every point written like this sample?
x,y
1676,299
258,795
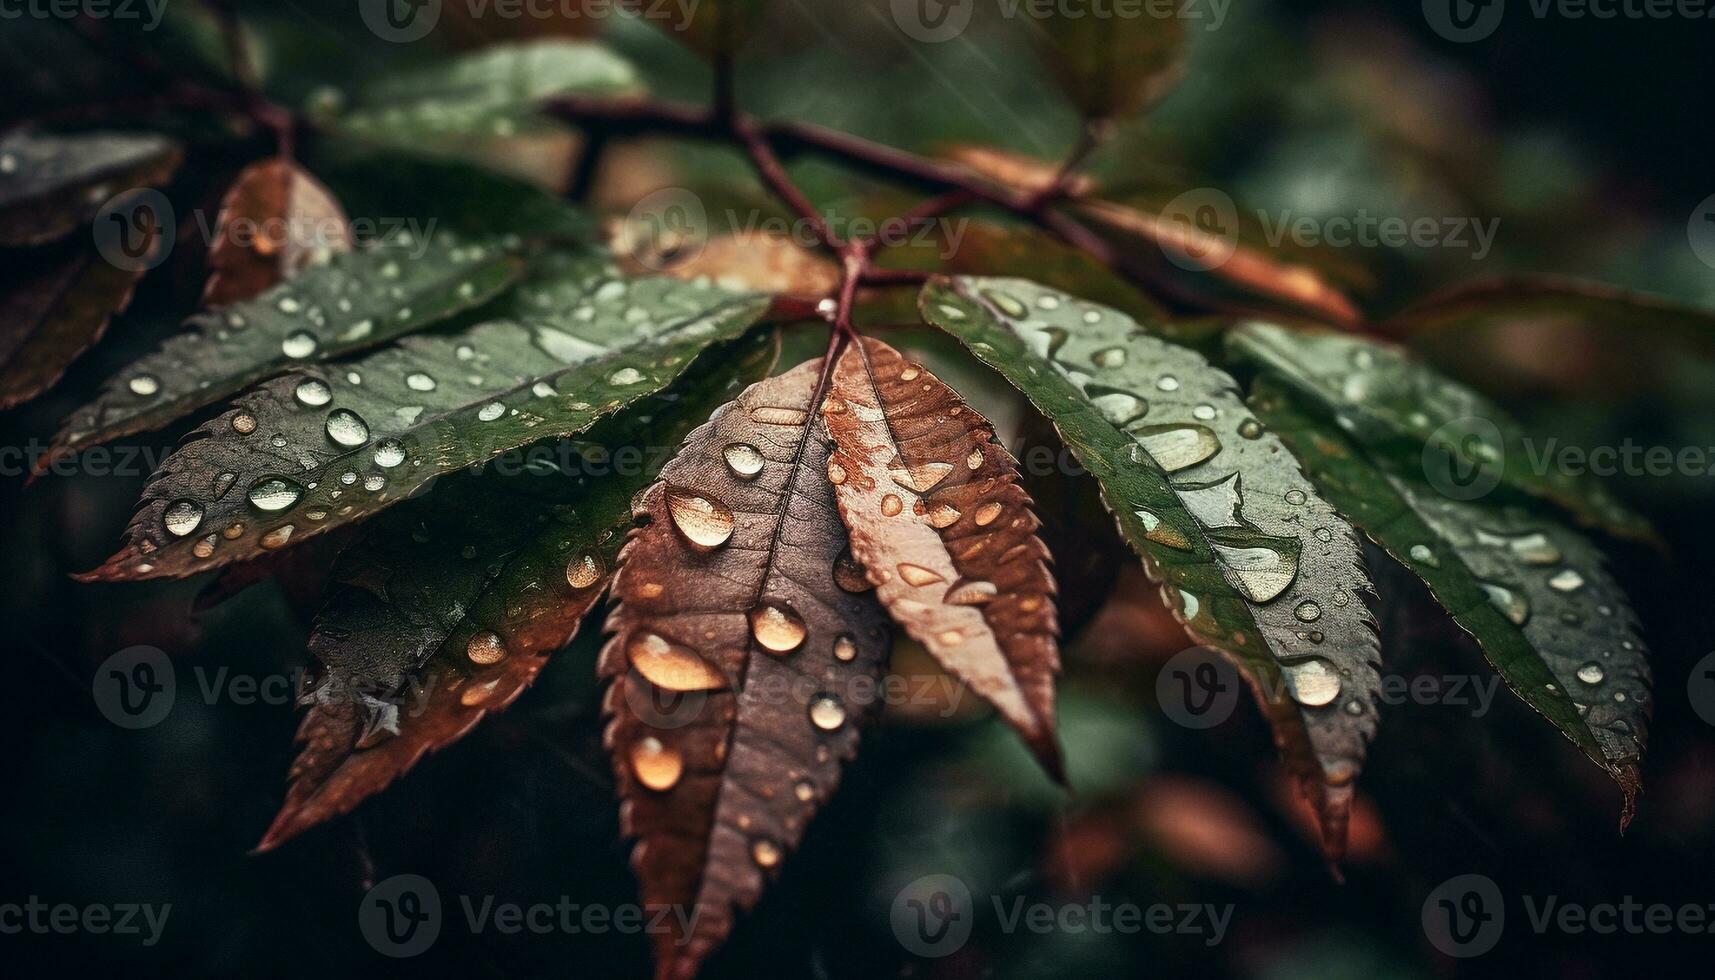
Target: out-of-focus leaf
x,y
1403,410
1533,593
275,221
356,300
518,560
714,29
493,92
391,188
762,262
333,445
51,185
1115,65
1253,561
1015,170
55,303
741,663
1487,303
948,536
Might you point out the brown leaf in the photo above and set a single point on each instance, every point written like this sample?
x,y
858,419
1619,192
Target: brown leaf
x,y
275,220
1016,170
739,665
1237,263
745,261
55,305
937,516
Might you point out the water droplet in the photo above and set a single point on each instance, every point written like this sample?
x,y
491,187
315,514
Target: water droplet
x,y
827,713
777,628
1048,301
278,537
765,853
1108,357
233,531
655,765
1314,682
917,575
1178,447
182,517
1204,413
1250,429
313,392
490,412
485,647
144,384
891,505
908,373
1591,673
671,666
986,514
543,389
1296,498
243,424
205,547
1213,505
920,478
1566,580
778,415
746,461
346,428
836,473
1423,555
584,570
1006,303
418,381
975,460
1308,611
970,592
299,344
1120,407
374,482
1167,382
845,648
1323,534
389,453
1510,603
1262,573
942,515
805,791
274,493
705,523
625,376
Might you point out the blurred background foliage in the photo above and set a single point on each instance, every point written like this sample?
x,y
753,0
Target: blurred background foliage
x,y
1587,140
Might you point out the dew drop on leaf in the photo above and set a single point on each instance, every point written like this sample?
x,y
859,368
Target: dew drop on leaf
x,y
144,385
389,453
313,392
970,592
765,853
656,766
182,517
670,665
278,537
777,628
827,713
418,381
917,575
845,648
299,344
485,647
346,428
705,523
1314,682
274,493
1308,611
1591,673
744,460
584,570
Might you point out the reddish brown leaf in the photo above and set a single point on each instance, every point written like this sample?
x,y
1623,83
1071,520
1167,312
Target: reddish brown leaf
x,y
275,220
937,516
56,304
766,263
739,664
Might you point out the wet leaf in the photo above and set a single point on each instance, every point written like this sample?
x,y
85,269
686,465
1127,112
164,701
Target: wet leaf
x,y
1534,594
1115,65
1406,411
447,608
740,665
332,445
1252,561
763,262
356,300
275,221
492,92
937,516
50,185
55,303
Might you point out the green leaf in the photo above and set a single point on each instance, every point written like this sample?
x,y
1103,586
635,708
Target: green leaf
x,y
354,301
333,445
444,194
1115,65
493,92
1533,593
1409,414
1255,563
518,559
54,305
51,185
